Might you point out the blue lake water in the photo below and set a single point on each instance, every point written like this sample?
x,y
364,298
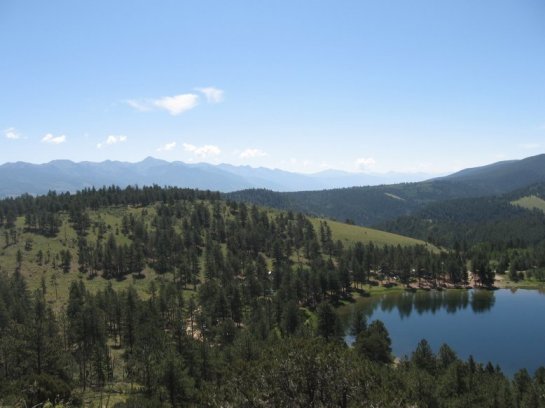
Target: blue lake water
x,y
504,327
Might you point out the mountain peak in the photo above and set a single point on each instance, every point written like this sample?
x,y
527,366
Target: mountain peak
x,y
153,160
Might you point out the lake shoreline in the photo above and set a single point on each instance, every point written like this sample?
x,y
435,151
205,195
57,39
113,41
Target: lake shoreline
x,y
501,282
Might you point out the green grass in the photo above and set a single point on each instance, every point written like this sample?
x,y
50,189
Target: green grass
x,y
530,202
57,282
350,234
527,283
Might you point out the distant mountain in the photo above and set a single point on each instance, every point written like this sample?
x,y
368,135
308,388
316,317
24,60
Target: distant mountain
x,y
339,179
279,180
65,175
375,205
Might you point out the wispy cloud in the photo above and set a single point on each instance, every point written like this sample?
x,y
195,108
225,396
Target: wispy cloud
x,y
175,105
111,140
167,147
202,151
213,95
141,106
252,153
11,133
178,104
365,163
49,138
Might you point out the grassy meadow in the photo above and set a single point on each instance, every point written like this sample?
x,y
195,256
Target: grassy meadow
x,y
349,234
109,220
531,203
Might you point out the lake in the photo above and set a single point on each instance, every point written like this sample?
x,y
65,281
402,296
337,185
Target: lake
x,y
503,326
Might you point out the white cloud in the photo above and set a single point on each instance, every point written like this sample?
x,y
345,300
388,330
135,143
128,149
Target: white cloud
x,y
167,147
178,104
49,138
11,133
112,139
213,95
175,105
252,153
365,163
202,151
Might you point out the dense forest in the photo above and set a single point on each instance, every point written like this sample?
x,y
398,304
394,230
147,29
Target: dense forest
x,y
510,230
209,302
368,206
497,221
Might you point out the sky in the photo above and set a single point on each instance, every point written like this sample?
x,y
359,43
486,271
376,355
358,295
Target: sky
x,y
375,86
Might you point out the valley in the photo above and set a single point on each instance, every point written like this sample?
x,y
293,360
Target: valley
x,y
116,268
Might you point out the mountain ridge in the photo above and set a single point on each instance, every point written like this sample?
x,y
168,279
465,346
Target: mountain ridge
x,y
376,205
65,175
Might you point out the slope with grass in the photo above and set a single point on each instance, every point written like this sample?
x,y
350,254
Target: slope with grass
x,y
530,202
107,221
58,283
513,221
349,234
503,177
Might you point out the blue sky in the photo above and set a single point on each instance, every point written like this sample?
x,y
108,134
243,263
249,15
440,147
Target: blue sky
x,y
407,86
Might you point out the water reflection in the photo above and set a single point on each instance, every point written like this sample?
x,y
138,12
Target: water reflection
x,y
432,301
472,322
482,301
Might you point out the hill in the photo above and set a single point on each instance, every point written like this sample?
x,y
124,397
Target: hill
x,y
376,205
516,219
107,212
503,177
362,205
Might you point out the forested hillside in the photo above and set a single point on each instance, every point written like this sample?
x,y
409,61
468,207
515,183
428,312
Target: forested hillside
x,y
173,297
376,205
503,177
513,220
361,205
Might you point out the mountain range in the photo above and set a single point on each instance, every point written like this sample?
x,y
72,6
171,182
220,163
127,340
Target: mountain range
x,y
430,208
65,175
